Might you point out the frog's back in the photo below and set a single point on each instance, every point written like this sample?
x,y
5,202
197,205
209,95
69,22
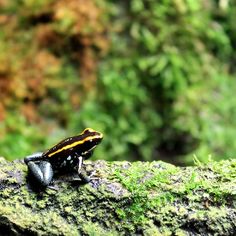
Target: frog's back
x,y
63,148
68,150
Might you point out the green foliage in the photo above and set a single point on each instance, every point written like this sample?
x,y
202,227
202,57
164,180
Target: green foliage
x,y
19,139
164,89
15,134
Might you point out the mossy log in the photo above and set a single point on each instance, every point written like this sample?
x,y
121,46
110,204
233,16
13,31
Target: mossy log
x,y
140,198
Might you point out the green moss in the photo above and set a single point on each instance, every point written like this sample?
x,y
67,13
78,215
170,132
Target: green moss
x,y
164,187
145,188
94,229
29,220
150,198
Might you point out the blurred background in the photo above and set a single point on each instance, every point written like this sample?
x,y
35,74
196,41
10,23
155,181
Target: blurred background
x,y
158,78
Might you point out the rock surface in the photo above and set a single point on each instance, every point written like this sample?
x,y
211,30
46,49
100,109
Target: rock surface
x,y
140,198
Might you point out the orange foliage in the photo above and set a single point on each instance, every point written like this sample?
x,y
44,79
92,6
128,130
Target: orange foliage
x,y
87,33
38,42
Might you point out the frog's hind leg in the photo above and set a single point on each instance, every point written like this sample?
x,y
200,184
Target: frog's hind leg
x,y
38,156
41,172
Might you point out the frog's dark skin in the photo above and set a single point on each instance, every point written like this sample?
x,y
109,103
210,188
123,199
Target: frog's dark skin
x,y
66,156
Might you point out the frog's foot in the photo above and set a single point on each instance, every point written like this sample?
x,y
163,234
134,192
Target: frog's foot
x,y
93,176
83,176
87,178
53,188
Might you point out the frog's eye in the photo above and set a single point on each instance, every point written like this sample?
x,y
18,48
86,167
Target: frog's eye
x,y
88,130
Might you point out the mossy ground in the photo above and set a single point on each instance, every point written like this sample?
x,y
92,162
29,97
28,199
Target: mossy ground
x,y
126,198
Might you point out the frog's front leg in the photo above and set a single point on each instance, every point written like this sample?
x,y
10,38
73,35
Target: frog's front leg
x,y
40,170
82,173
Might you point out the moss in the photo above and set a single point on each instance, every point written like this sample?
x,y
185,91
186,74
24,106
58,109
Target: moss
x,y
27,220
139,198
141,185
164,187
93,229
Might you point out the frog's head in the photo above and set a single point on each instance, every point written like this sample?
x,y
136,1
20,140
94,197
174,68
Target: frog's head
x,y
90,139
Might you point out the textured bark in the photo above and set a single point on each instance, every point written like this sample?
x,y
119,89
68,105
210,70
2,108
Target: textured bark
x,y
141,198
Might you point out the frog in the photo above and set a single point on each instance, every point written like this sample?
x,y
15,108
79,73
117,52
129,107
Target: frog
x,y
67,156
